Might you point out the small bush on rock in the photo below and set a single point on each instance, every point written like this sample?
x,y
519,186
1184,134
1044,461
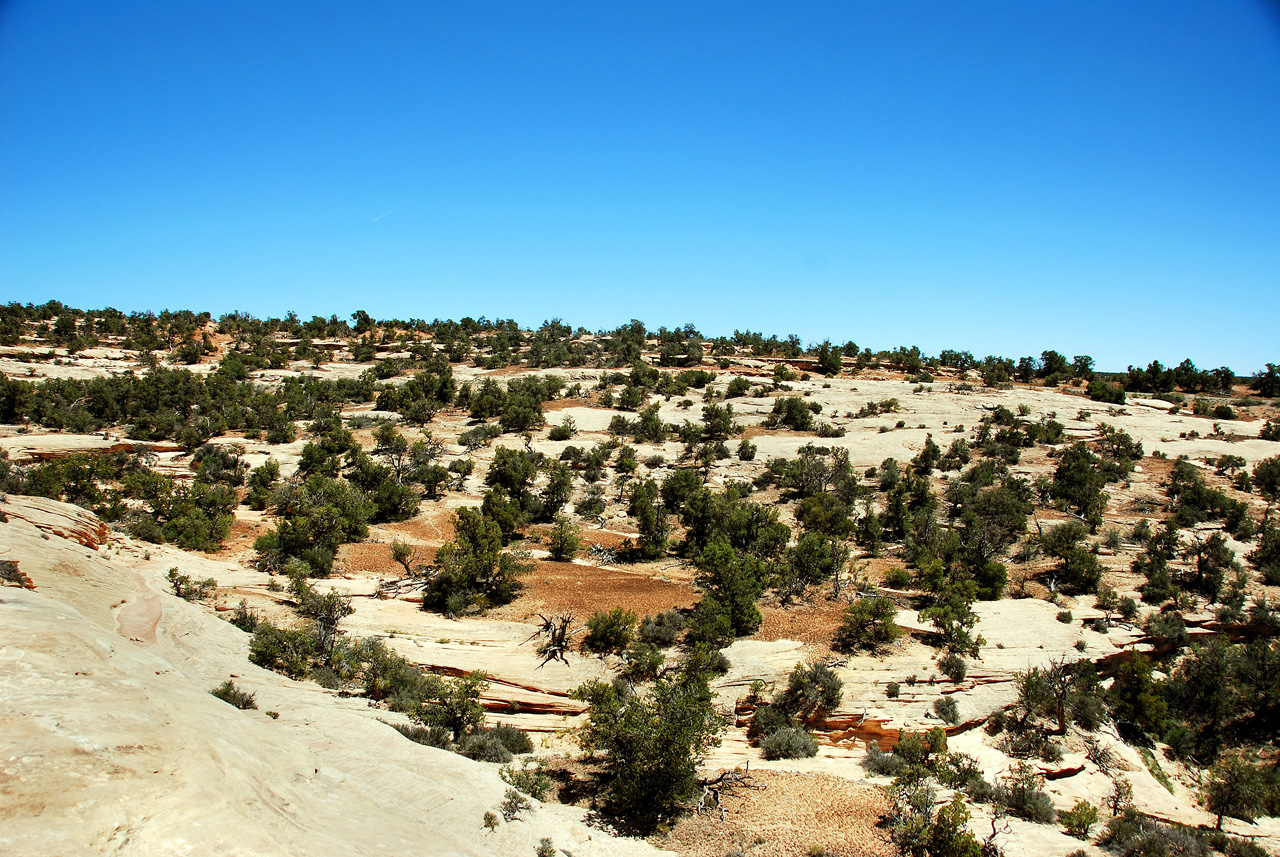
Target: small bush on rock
x,y
232,695
427,736
947,709
1077,820
953,666
483,746
789,742
610,632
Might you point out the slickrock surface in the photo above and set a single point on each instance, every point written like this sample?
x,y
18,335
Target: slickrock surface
x,y
110,742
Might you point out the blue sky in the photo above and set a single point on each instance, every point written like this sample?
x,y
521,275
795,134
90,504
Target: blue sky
x,y
1098,178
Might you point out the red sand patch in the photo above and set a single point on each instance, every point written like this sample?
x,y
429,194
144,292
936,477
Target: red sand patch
x,y
434,524
243,534
374,560
813,624
564,404
794,815
565,587
605,538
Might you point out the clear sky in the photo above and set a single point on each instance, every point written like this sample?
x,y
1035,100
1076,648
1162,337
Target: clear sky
x,y
1094,177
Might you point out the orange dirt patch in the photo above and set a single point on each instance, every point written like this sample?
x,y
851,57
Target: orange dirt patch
x,y
749,432
242,536
813,624
794,815
1049,517
566,587
605,538
374,560
434,524
562,404
1158,470
874,568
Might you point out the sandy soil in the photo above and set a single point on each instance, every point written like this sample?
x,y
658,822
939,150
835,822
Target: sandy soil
x,y
787,814
582,589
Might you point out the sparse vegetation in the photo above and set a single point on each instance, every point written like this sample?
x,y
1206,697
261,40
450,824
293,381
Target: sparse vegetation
x,y
1016,506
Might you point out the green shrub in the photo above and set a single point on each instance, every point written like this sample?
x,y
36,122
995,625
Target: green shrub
x,y
592,503
190,589
610,631
513,738
1021,794
452,703
960,771
1029,744
651,744
1101,391
473,572
232,695
530,780
1134,834
478,437
789,742
243,618
766,720
326,677
662,630
283,650
891,690
704,661
790,412
1242,848
483,746
643,661
710,624
898,578
513,804
1077,820
953,666
428,736
947,710
810,693
565,430
317,517
882,764
868,623
565,541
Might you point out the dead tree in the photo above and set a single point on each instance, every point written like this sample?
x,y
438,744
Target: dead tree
x,y
999,827
601,555
556,638
417,580
725,784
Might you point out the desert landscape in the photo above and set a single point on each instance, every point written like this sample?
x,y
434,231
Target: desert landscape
x,y
383,586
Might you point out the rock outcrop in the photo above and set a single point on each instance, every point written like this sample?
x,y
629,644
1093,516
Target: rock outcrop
x,y
111,742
